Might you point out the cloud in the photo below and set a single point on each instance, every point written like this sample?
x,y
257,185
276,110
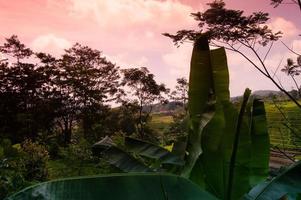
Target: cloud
x,y
296,46
125,13
178,60
288,28
125,60
50,44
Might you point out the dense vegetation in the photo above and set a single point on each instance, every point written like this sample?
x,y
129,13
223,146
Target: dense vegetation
x,y
53,109
57,121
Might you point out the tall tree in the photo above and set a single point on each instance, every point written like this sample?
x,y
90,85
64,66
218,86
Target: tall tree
x,y
23,88
86,81
243,34
276,3
145,91
180,94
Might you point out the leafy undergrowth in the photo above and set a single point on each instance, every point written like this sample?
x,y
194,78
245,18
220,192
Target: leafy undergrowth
x,y
62,169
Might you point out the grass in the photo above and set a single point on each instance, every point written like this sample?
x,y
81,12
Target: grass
x,y
284,127
61,168
280,134
160,122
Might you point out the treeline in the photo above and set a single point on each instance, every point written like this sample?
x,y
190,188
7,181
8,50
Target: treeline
x,y
44,97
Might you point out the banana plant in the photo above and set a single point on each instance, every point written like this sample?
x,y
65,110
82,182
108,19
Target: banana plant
x,y
227,149
226,152
229,161
286,185
116,187
131,159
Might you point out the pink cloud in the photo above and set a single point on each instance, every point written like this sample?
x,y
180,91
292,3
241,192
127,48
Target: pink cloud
x,y
129,32
179,60
127,13
287,27
50,44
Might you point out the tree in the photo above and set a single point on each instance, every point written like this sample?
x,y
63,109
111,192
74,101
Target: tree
x,y
39,92
23,90
86,81
293,69
180,94
243,34
145,91
276,3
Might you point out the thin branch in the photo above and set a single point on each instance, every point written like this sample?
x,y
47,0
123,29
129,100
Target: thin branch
x,y
267,53
292,130
299,2
278,66
247,58
285,154
296,84
287,121
260,60
266,73
290,49
279,82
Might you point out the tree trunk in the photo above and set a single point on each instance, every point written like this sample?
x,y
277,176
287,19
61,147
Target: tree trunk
x,y
67,132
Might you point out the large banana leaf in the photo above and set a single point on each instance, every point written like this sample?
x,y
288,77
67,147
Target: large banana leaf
x,y
214,165
239,172
179,147
259,164
287,185
152,151
209,170
220,74
231,161
200,100
118,157
116,187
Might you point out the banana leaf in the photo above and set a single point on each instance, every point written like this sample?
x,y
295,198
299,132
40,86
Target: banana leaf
x,y
179,147
152,151
118,157
287,185
200,100
231,161
111,187
239,171
260,150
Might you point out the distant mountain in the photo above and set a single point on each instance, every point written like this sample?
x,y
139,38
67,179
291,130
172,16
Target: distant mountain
x,y
267,93
263,94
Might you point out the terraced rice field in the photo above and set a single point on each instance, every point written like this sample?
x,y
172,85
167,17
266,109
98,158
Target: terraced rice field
x,y
284,124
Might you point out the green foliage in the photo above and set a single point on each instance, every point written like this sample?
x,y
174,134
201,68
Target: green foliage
x,y
229,26
286,185
283,124
219,153
180,94
34,157
144,91
127,187
41,95
224,167
260,143
11,169
152,151
177,128
136,155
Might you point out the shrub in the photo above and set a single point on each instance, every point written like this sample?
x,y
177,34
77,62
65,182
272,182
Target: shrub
x,y
11,169
34,158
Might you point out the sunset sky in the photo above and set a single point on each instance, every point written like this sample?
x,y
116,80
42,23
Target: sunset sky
x,y
128,32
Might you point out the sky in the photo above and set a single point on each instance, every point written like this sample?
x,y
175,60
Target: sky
x,y
129,33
